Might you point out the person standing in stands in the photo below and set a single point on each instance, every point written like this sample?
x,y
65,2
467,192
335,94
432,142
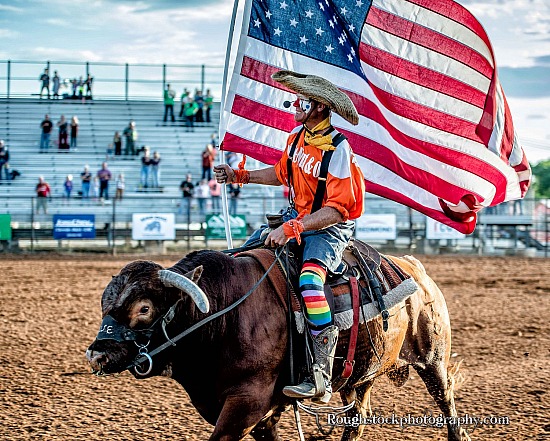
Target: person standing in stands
x,y
199,99
4,161
131,135
43,192
74,131
56,83
155,169
63,126
46,125
86,180
208,102
68,187
45,78
215,194
208,156
190,110
117,142
104,176
120,185
169,96
145,167
88,82
183,100
187,189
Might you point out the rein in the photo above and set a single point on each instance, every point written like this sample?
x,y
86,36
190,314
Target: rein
x,y
147,356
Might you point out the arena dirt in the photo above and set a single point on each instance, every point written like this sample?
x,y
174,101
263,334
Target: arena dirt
x,y
50,313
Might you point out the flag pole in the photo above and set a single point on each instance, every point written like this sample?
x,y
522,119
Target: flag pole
x,y
222,112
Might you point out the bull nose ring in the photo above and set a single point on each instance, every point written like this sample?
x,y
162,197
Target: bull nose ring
x,y
148,371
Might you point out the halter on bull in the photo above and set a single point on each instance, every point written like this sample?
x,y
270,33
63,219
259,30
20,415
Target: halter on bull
x,y
242,383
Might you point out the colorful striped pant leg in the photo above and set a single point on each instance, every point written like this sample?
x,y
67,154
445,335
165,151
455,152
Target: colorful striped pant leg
x,y
312,280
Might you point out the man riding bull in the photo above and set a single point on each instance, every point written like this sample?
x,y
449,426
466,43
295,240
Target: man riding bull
x,y
322,222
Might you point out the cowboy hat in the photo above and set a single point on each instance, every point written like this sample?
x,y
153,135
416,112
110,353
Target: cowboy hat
x,y
320,90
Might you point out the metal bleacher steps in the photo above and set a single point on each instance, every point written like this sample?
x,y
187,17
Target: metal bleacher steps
x,y
98,120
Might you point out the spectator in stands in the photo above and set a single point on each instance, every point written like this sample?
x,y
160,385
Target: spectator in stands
x,y
74,131
208,156
94,189
208,102
131,135
120,185
68,187
43,192
4,162
74,84
80,88
187,189
169,96
199,99
63,126
155,169
89,81
190,110
214,140
56,84
202,193
215,194
234,192
45,79
183,101
145,167
117,142
86,180
46,125
104,176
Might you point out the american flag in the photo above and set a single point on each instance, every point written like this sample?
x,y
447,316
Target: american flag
x,y
435,131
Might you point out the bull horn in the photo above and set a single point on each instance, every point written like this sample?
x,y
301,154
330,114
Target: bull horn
x,y
171,278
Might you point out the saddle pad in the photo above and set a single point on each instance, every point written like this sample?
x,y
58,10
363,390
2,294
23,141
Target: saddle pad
x,y
394,291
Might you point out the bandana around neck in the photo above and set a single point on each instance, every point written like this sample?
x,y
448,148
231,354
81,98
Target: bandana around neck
x,y
323,142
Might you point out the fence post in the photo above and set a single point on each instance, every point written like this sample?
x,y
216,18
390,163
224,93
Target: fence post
x,y
87,68
546,244
8,79
32,225
189,224
126,80
202,78
163,77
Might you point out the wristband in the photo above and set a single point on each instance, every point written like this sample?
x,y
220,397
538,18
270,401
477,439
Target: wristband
x,y
242,176
293,228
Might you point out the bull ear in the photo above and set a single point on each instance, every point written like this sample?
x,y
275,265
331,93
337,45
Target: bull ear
x,y
195,275
187,285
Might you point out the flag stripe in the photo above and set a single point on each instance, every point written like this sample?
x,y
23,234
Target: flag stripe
x,y
429,38
416,74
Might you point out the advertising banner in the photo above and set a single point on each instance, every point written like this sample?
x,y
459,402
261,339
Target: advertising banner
x,y
376,227
5,226
215,226
437,230
153,226
73,226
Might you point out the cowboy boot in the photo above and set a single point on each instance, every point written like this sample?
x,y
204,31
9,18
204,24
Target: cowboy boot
x,y
318,386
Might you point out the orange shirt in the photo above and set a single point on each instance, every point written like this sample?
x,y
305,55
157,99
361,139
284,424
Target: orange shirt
x,y
345,182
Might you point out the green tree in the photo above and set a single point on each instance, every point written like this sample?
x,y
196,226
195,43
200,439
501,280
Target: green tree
x,y
541,171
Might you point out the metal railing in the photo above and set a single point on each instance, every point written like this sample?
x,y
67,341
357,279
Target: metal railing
x,y
122,81
503,231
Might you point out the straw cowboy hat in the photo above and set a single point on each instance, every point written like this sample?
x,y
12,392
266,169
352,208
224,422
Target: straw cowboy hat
x,y
320,90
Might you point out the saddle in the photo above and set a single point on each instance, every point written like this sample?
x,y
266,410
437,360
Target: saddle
x,y
381,284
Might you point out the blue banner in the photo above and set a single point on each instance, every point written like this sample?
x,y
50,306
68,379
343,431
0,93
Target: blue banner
x,y
73,226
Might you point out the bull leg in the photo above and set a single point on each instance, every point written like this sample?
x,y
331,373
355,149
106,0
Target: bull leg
x,y
440,383
267,430
240,414
361,395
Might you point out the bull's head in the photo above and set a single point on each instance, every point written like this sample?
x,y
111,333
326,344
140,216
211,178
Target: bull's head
x,y
137,305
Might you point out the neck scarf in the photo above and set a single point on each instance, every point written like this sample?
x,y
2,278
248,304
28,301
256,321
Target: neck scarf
x,y
323,142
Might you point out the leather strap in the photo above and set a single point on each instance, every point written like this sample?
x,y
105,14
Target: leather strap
x,y
350,358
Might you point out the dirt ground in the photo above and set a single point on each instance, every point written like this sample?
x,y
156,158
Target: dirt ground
x,y
50,313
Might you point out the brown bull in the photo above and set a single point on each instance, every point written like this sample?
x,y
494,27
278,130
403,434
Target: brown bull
x,y
235,366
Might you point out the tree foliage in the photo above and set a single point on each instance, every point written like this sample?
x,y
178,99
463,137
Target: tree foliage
x,y
541,171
